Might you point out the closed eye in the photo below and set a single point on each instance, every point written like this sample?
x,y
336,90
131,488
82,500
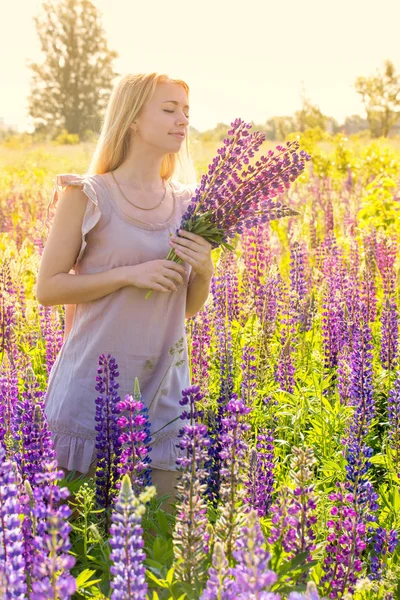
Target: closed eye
x,y
171,111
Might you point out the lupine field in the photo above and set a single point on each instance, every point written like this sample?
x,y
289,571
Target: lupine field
x,y
289,481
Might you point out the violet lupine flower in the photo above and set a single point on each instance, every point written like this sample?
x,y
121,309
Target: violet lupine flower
x,y
344,376
33,445
200,337
383,543
272,292
12,564
285,369
390,333
260,480
386,252
8,318
135,440
8,400
249,375
333,320
298,284
368,275
361,397
346,543
107,442
52,333
250,576
126,540
329,219
190,534
233,467
256,256
393,407
218,572
220,288
52,562
294,512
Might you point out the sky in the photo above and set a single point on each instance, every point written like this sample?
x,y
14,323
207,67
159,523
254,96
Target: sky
x,y
252,59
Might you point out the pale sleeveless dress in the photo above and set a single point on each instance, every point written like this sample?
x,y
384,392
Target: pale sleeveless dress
x,y
146,337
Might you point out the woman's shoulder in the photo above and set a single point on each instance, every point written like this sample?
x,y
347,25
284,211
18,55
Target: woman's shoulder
x,y
86,182
184,190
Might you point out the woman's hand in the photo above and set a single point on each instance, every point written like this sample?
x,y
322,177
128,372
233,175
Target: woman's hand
x,y
194,250
160,275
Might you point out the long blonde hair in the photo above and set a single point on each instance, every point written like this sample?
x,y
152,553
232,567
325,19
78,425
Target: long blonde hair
x,y
128,96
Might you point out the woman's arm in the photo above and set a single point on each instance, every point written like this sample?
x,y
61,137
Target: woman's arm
x,y
197,293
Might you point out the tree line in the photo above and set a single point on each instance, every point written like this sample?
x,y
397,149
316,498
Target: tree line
x,y
70,88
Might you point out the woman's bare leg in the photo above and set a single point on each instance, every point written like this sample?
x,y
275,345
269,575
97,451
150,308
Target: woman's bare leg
x,y
165,482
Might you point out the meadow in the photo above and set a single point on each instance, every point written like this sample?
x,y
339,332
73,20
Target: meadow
x,y
290,485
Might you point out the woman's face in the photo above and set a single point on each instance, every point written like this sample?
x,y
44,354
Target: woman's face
x,y
165,114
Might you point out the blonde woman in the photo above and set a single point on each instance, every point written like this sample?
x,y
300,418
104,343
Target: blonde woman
x,y
106,247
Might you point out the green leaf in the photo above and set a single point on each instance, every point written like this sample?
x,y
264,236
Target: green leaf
x,y
170,575
83,580
162,521
160,582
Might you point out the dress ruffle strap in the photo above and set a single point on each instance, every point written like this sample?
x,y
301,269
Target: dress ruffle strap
x,y
93,212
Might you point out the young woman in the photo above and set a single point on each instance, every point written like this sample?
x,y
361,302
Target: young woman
x,y
112,227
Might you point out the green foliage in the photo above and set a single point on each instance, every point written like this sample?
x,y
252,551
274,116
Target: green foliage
x,y
66,138
380,207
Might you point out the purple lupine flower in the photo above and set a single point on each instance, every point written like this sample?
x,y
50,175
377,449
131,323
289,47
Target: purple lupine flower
x,y
386,251
285,369
294,512
107,442
361,397
260,481
216,587
52,333
368,275
299,286
256,256
126,540
346,543
190,534
233,454
383,543
272,292
251,577
200,337
249,375
52,562
333,320
344,376
8,318
12,563
329,220
390,333
220,289
8,400
135,440
32,442
393,407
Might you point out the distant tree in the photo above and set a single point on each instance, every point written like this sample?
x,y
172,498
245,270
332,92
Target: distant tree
x,y
354,124
310,116
70,89
381,97
277,128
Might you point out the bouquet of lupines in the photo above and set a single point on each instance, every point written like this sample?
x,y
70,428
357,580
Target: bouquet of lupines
x,y
232,196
